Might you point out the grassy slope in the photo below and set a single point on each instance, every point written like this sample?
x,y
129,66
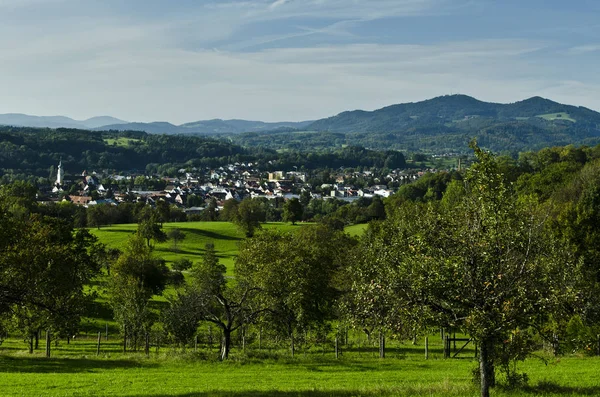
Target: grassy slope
x,y
356,230
224,235
557,116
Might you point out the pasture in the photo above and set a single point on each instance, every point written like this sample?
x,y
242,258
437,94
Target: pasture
x,y
557,116
121,141
224,235
75,370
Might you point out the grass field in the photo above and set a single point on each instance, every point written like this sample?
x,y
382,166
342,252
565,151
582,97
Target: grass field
x,y
356,230
122,141
557,116
75,370
224,235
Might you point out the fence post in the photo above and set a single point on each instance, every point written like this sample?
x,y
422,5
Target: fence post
x,y
98,346
337,351
47,343
446,346
147,345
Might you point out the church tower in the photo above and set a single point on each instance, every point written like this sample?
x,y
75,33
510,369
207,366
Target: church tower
x,y
59,178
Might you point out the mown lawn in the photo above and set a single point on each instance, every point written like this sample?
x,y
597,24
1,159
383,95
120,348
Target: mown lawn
x,y
75,370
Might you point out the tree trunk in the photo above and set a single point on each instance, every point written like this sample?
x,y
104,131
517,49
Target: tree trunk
x,y
31,344
37,339
225,344
48,340
381,344
486,367
292,343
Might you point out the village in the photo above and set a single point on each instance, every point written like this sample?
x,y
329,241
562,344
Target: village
x,y
194,188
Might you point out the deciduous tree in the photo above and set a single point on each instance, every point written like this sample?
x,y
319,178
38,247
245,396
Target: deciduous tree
x,y
486,265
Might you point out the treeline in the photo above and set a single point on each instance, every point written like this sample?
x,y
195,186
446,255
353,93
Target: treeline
x,y
336,212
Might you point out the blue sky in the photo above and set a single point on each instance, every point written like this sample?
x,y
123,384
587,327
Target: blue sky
x,y
184,60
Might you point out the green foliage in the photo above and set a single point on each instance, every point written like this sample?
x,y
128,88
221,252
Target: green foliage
x,y
486,265
250,213
44,267
149,227
175,235
292,211
182,264
136,276
294,275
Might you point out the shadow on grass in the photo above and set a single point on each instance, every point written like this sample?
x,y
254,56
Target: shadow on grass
x,y
117,230
268,393
210,235
546,388
65,365
100,310
179,251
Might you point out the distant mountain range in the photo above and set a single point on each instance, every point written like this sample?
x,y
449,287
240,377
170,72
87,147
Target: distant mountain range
x,y
25,120
205,127
438,124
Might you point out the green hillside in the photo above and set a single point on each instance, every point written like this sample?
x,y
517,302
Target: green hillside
x,y
445,124
224,235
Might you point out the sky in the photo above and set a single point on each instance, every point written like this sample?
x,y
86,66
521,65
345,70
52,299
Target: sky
x,y
292,60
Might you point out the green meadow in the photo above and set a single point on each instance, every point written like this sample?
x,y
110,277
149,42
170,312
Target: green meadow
x,y
224,235
557,116
75,370
121,141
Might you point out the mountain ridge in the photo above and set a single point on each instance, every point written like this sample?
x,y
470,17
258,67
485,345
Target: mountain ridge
x,y
437,124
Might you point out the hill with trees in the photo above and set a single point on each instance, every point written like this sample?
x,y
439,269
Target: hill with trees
x,y
445,124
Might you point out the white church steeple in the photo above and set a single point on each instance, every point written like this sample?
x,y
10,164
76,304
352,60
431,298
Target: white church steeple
x,y
59,178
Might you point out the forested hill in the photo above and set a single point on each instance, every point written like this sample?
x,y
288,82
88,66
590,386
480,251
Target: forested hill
x,y
34,152
26,153
447,123
453,109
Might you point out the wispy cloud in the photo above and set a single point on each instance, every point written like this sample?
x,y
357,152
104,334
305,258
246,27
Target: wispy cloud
x,y
177,85
278,3
584,49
